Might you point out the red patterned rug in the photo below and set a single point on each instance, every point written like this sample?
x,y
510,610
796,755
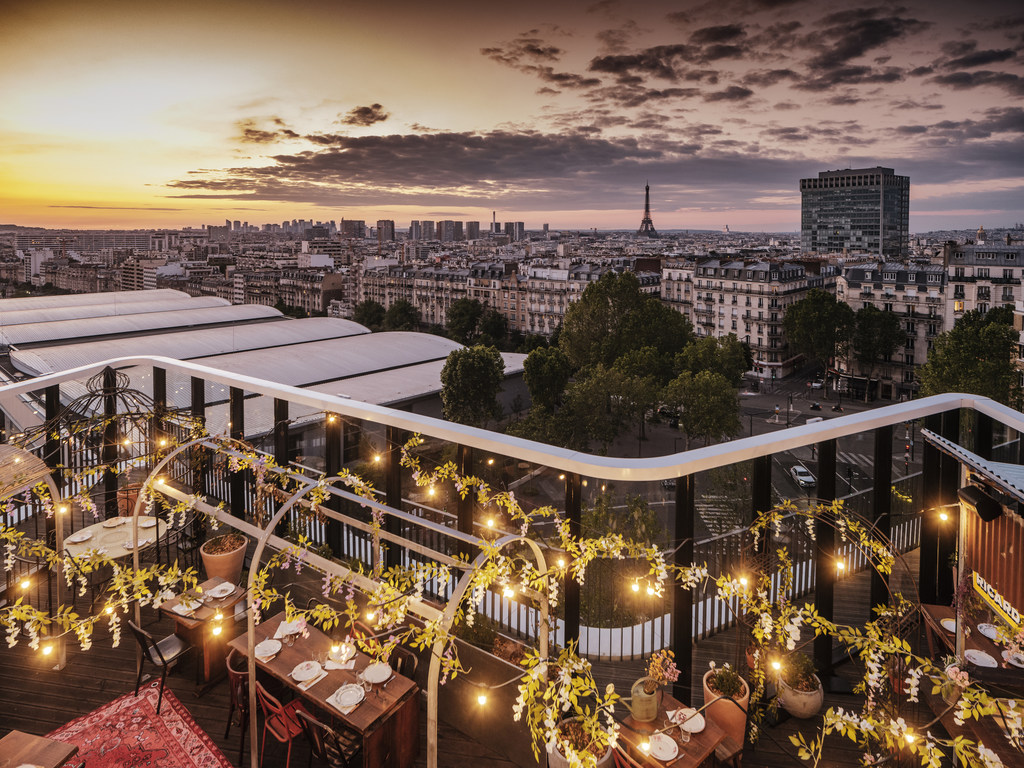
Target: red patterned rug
x,y
128,733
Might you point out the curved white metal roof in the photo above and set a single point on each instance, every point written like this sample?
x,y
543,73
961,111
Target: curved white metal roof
x,y
87,299
184,345
91,327
76,312
333,359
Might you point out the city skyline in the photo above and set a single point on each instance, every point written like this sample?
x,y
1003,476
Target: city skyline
x,y
121,116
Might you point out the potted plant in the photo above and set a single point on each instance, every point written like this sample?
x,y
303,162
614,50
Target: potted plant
x,y
566,713
726,696
800,690
645,694
224,555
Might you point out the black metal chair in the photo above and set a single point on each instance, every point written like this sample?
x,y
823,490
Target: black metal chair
x,y
404,662
335,748
161,654
238,682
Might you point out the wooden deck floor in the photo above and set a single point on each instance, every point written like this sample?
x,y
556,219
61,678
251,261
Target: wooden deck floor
x,y
37,699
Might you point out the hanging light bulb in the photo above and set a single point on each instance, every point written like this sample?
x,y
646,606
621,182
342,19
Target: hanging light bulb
x,y
508,592
636,586
481,699
650,590
561,562
376,457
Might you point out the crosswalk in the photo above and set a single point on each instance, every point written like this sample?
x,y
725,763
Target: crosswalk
x,y
860,459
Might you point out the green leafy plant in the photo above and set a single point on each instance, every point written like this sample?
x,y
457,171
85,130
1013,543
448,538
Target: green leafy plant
x,y
725,681
798,672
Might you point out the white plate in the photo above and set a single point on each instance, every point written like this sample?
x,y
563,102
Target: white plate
x,y
991,631
112,522
268,647
286,628
1016,659
345,652
663,747
695,723
185,610
78,538
949,625
980,658
221,590
307,670
149,522
377,672
347,696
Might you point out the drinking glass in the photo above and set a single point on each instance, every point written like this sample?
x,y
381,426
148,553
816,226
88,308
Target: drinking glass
x,y
367,685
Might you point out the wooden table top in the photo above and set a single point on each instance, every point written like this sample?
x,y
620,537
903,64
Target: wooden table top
x,y
691,754
112,539
934,614
379,703
210,605
17,748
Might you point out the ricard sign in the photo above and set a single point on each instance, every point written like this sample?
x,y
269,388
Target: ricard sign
x,y
998,603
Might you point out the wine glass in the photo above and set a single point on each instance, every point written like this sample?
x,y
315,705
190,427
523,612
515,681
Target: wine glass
x,y
367,685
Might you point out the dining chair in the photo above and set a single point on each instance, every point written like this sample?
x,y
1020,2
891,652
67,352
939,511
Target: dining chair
x,y
238,686
336,748
161,654
280,720
404,662
361,631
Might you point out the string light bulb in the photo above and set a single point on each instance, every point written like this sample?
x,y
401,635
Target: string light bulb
x,y
63,508
508,592
25,583
481,699
127,441
943,516
560,477
490,462
636,586
490,522
216,629
430,491
163,442
370,615
108,610
840,566
777,665
645,746
650,590
561,562
743,581
909,736
331,419
376,457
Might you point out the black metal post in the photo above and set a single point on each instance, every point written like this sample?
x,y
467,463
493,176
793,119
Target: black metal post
x,y
761,492
573,513
393,490
464,506
109,450
949,483
825,562
930,475
236,428
983,435
281,449
682,599
198,408
158,429
881,503
333,455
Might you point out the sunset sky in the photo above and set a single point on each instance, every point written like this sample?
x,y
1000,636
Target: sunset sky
x,y
140,114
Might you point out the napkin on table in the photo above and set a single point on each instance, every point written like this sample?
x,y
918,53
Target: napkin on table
x,y
332,664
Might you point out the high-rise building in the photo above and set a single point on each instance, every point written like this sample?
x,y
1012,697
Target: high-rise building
x,y
866,210
472,230
355,228
427,229
385,230
516,230
448,230
415,230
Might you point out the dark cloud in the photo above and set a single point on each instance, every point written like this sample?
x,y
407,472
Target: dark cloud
x,y
766,77
660,61
363,116
843,100
120,207
639,95
851,75
915,105
723,34
249,131
920,71
980,59
524,49
787,134
850,34
965,80
617,39
732,93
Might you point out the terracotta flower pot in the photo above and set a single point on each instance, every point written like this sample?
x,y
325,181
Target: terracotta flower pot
x,y
802,704
731,718
227,565
644,706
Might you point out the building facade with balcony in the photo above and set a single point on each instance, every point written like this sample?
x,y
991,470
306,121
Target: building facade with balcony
x,y
982,276
916,293
747,298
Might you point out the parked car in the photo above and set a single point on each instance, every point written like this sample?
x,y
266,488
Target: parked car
x,y
802,476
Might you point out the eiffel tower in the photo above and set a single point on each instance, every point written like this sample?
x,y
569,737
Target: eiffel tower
x,y
647,226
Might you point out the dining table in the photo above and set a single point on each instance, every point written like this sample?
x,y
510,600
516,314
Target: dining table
x,y
195,614
386,719
940,626
19,748
110,537
634,735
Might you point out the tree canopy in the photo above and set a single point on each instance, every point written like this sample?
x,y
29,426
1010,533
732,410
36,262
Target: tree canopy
x,y
546,372
369,313
462,319
877,334
470,383
727,355
976,356
819,326
401,316
708,405
613,317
